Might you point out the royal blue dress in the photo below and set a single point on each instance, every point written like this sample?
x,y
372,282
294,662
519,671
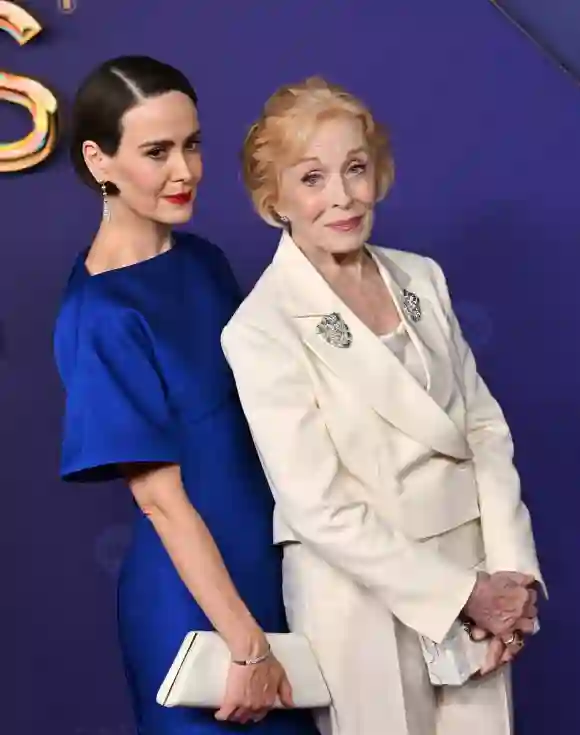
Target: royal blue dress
x,y
138,350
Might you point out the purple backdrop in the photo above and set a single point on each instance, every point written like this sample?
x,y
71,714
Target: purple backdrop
x,y
487,141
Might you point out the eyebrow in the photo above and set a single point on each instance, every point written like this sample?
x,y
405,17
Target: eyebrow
x,y
165,143
350,154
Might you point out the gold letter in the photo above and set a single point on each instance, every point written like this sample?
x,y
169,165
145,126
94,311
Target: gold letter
x,y
37,99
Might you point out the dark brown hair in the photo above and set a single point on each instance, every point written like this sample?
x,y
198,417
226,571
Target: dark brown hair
x,y
107,94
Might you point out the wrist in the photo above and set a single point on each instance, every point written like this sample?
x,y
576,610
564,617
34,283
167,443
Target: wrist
x,y
478,587
248,644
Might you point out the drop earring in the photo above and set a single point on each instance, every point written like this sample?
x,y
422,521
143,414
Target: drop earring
x,y
106,210
285,222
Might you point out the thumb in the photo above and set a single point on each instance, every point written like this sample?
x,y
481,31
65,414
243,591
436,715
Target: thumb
x,y
478,634
285,692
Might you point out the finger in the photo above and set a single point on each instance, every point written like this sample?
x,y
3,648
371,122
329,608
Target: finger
x,y
225,712
494,653
285,693
532,597
510,653
513,646
531,606
525,625
530,611
259,715
507,656
502,624
242,715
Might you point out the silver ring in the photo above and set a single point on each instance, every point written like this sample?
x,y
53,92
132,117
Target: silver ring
x,y
512,639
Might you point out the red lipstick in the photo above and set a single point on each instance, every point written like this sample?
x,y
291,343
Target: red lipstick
x,y
179,199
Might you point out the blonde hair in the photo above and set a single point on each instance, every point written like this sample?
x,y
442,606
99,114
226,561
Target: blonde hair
x,y
286,123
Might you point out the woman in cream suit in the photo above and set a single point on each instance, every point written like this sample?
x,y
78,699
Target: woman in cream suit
x,y
389,460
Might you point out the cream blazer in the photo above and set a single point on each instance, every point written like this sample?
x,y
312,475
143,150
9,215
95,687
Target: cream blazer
x,y
369,469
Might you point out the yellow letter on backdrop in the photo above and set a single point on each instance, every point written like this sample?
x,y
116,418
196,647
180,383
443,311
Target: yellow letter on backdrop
x,y
35,147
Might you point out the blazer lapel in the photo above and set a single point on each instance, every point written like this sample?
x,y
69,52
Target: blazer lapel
x,y
368,366
426,333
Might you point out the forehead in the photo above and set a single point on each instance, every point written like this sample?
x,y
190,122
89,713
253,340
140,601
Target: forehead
x,y
334,138
166,115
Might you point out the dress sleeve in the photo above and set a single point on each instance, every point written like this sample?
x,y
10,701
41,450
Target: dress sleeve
x,y
116,405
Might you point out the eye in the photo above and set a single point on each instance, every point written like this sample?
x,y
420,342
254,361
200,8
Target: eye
x,y
156,153
358,168
193,145
311,179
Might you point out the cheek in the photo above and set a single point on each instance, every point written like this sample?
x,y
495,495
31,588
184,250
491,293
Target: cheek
x,y
142,178
196,167
307,207
364,190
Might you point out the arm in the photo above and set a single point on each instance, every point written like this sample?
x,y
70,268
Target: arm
x,y
321,502
250,690
160,494
118,423
506,525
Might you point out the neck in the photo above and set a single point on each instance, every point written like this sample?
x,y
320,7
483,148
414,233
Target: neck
x,y
334,267
127,239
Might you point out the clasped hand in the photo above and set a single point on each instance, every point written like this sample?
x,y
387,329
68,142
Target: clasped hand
x,y
504,606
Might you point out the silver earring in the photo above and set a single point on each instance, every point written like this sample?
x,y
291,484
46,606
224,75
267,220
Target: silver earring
x,y
106,210
285,222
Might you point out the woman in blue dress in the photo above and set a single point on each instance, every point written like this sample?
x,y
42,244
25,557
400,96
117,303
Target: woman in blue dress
x,y
149,398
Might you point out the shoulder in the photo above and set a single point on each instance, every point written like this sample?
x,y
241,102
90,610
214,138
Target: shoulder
x,y
212,262
421,269
91,315
94,304
202,250
413,264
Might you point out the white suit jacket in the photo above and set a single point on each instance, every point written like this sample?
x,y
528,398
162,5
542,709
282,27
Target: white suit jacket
x,y
365,465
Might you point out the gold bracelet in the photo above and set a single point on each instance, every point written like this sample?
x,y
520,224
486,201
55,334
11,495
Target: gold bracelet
x,y
253,661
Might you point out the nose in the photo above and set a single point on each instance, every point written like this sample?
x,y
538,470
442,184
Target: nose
x,y
181,168
341,196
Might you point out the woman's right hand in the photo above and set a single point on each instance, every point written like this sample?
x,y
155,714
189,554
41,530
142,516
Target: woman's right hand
x,y
501,601
252,690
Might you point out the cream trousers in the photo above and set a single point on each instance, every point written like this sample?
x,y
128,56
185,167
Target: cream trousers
x,y
373,664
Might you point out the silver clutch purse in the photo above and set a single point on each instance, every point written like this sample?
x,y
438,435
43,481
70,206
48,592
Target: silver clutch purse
x,y
197,677
457,658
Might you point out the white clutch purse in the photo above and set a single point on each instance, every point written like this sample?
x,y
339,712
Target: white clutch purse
x,y
197,676
457,658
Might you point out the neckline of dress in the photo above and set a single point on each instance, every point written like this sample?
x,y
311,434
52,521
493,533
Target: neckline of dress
x,y
131,266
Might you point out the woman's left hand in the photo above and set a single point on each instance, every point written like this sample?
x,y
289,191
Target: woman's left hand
x,y
502,650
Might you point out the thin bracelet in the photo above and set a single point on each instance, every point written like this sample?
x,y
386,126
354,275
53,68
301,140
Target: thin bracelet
x,y
254,661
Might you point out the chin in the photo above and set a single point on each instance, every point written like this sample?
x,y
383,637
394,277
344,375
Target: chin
x,y
345,243
177,218
181,219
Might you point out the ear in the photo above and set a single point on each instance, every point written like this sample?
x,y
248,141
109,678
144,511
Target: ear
x,y
96,161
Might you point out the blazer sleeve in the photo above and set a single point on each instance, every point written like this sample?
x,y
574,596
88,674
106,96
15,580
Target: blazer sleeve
x,y
507,530
320,501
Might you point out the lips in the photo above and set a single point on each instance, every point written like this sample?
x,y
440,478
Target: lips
x,y
179,199
346,225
